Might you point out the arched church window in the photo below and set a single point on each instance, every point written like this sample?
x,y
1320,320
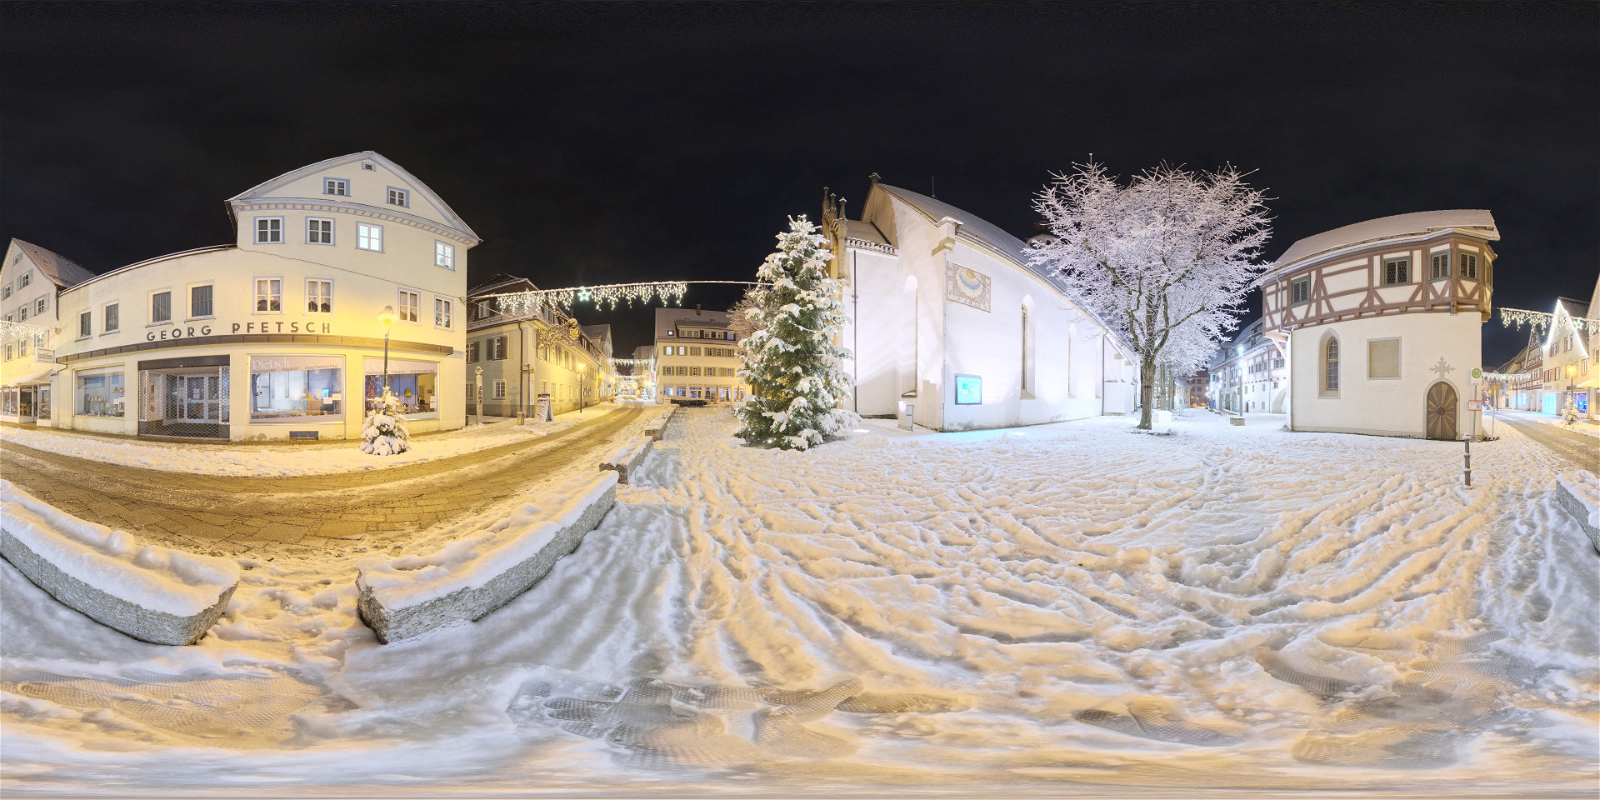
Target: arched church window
x,y
1330,366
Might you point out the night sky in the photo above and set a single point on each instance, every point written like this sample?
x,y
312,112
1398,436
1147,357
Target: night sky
x,y
610,142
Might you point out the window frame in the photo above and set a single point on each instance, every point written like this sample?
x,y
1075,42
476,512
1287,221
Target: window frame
x,y
41,305
444,251
1329,366
256,227
150,307
1434,274
363,227
255,294
498,392
1401,262
1295,283
332,307
449,313
472,351
1468,259
400,307
190,308
405,196
24,280
497,348
332,229
85,324
326,179
104,317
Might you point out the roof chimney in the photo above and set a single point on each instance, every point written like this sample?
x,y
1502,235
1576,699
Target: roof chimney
x,y
697,309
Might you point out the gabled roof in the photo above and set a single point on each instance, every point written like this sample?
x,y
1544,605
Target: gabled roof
x,y
502,283
61,271
1574,308
992,237
422,189
1477,221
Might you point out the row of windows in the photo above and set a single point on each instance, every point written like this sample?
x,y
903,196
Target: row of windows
x,y
1397,271
1383,362
713,352
702,334
39,307
24,346
22,281
494,349
369,236
704,392
340,187
713,372
268,300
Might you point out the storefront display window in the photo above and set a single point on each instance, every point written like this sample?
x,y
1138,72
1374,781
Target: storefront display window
x,y
100,394
415,383
291,388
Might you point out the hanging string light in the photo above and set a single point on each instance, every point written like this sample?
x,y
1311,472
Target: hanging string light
x,y
12,331
605,297
1538,321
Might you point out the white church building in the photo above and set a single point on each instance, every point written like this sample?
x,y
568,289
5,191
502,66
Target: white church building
x,y
1381,322
950,325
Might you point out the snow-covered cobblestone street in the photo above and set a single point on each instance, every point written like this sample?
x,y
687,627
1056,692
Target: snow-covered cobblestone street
x,y
1224,608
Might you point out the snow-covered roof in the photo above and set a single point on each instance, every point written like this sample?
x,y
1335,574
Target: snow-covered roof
x,y
61,271
1574,308
993,238
1479,222
865,231
502,283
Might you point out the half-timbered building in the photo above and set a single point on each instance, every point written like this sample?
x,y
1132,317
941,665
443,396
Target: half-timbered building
x,y
1381,321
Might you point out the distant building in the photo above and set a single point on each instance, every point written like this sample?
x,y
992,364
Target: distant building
x,y
525,351
1249,373
696,356
31,281
1382,323
1196,387
949,320
1566,362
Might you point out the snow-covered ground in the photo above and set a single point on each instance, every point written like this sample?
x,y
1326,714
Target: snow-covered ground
x,y
280,459
1071,607
1587,427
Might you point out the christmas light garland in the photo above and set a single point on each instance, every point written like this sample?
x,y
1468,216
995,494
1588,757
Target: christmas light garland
x,y
12,331
604,297
1538,321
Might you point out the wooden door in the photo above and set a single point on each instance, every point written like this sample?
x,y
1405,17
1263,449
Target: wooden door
x,y
1441,411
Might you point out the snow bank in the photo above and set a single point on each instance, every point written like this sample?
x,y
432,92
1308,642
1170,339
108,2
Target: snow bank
x,y
150,593
472,576
625,460
1579,493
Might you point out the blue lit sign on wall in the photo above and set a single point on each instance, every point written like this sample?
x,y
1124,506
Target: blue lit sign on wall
x,y
969,390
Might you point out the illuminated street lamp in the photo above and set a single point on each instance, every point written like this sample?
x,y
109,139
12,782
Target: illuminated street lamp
x,y
386,316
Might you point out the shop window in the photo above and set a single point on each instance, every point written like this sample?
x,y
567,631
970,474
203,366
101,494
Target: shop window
x,y
160,307
410,305
319,296
200,302
99,393
414,383
319,230
294,388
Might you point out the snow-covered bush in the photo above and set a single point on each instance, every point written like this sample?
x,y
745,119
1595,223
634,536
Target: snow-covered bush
x,y
1569,413
790,360
385,433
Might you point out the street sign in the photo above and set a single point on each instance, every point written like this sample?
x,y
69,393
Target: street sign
x,y
1477,372
1474,406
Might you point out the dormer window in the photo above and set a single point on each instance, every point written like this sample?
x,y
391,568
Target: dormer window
x,y
399,197
336,186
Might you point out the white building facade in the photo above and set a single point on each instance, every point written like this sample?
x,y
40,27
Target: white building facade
x,y
1381,323
696,357
1249,374
31,281
949,323
281,334
533,350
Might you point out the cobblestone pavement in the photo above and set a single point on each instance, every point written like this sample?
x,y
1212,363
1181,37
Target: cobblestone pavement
x,y
1581,451
300,516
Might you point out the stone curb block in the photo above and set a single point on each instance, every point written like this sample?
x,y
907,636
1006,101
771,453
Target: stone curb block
x,y
1568,489
141,623
626,459
657,429
392,623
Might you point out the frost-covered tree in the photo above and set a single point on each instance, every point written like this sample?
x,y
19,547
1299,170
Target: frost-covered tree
x,y
739,320
1166,259
385,432
790,360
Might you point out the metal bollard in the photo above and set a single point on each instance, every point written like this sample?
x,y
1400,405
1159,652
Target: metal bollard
x,y
1466,459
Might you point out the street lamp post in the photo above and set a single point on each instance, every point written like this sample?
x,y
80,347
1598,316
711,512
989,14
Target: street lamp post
x,y
386,316
1572,389
583,386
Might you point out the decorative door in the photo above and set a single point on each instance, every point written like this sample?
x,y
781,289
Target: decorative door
x,y
1441,411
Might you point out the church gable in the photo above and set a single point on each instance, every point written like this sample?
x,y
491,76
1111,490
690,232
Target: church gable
x,y
363,179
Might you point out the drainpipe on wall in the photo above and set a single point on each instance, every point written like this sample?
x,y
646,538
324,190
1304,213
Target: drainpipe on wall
x,y
522,368
855,336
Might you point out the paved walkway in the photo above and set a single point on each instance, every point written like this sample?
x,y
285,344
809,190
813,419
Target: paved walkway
x,y
300,516
1578,450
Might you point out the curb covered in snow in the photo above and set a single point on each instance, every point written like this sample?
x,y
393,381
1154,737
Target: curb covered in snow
x,y
626,459
150,593
476,574
1579,493
655,430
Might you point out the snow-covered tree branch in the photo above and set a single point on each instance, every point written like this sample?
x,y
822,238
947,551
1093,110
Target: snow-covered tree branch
x,y
1166,259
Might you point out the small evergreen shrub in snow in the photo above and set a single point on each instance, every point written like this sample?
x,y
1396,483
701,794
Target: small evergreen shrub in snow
x,y
790,361
384,433
1569,413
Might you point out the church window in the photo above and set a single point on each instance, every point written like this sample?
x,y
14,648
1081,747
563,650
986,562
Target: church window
x,y
1330,367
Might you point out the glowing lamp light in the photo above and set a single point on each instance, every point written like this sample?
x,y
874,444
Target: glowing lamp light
x,y
386,316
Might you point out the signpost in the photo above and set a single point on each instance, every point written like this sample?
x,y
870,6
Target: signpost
x,y
542,408
478,385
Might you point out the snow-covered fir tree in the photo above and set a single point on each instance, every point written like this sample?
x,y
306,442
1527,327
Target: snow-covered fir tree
x,y
1166,260
790,360
385,433
1569,413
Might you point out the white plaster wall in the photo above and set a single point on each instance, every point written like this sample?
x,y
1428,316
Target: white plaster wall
x,y
1391,407
878,309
